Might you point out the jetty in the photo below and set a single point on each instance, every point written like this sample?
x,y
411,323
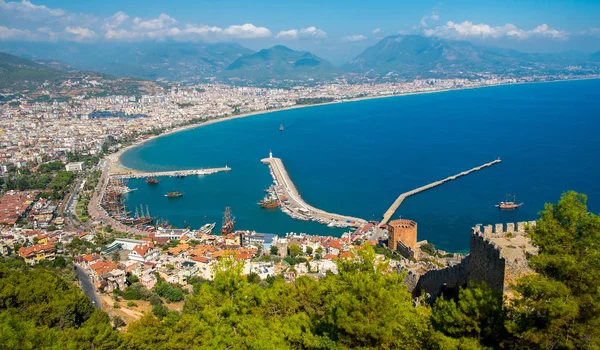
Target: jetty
x,y
178,173
388,214
296,207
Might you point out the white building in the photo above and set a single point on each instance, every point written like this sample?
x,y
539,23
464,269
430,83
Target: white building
x,y
75,166
143,253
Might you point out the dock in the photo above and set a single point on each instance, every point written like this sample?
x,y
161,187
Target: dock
x,y
297,207
141,174
388,214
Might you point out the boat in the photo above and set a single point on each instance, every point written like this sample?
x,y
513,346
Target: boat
x,y
173,194
228,221
508,205
180,175
207,229
269,202
280,127
151,180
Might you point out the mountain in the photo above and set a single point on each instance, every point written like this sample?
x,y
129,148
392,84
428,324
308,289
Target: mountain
x,y
19,73
279,63
421,56
148,60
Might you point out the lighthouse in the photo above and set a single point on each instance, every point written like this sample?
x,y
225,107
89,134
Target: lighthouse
x,y
270,154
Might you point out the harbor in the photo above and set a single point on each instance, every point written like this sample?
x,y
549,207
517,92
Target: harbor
x,y
394,207
292,203
131,174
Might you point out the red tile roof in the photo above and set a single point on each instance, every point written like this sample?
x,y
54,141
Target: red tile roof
x,y
26,252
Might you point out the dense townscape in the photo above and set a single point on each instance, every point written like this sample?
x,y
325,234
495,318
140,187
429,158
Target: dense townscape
x,y
81,267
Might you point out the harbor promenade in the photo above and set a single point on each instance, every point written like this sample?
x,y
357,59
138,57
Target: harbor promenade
x,y
131,174
297,207
390,212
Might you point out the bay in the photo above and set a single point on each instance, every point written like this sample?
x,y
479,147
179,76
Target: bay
x,y
355,158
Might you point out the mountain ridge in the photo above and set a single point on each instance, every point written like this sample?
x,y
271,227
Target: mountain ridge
x,y
280,62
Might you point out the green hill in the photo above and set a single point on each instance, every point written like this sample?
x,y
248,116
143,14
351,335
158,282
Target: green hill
x,y
19,73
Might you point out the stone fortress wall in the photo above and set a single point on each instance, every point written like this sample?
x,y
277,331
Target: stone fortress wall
x,y
498,255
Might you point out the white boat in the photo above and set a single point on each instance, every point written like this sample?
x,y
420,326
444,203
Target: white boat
x,y
207,229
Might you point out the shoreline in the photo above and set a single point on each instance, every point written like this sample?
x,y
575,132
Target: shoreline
x,y
117,164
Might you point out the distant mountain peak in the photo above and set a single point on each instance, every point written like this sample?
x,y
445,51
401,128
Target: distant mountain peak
x,y
280,62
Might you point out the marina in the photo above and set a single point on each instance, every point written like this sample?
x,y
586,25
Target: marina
x,y
293,205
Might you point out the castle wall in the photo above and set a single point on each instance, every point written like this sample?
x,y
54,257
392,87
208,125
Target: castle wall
x,y
432,282
497,257
485,263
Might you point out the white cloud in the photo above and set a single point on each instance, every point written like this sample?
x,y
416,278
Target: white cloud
x,y
121,34
81,33
433,17
376,30
355,37
287,34
13,33
115,21
26,7
590,32
546,31
51,35
154,24
202,30
468,30
311,32
247,31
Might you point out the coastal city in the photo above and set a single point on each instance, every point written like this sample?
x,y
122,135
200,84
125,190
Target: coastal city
x,y
79,213
299,175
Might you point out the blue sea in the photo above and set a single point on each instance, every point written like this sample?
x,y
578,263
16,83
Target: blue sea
x,y
355,158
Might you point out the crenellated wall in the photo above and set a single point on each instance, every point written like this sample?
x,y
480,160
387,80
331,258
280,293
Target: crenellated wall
x,y
497,256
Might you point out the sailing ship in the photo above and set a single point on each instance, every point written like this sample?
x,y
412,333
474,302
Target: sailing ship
x,y
139,218
151,180
173,194
508,205
280,127
228,220
269,202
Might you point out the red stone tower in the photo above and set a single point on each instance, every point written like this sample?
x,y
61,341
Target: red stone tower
x,y
404,231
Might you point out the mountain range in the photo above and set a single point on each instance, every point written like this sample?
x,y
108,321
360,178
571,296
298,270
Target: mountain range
x,y
401,56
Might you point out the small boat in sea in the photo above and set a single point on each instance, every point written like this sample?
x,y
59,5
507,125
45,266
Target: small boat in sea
x,y
151,180
280,127
509,205
269,202
173,194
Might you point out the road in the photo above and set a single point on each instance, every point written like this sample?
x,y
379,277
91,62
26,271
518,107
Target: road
x,y
87,286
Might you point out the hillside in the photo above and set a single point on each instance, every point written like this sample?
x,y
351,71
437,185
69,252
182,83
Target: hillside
x,y
19,73
279,62
420,56
150,60
46,83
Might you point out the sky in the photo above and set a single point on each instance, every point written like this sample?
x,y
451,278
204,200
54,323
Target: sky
x,y
336,30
